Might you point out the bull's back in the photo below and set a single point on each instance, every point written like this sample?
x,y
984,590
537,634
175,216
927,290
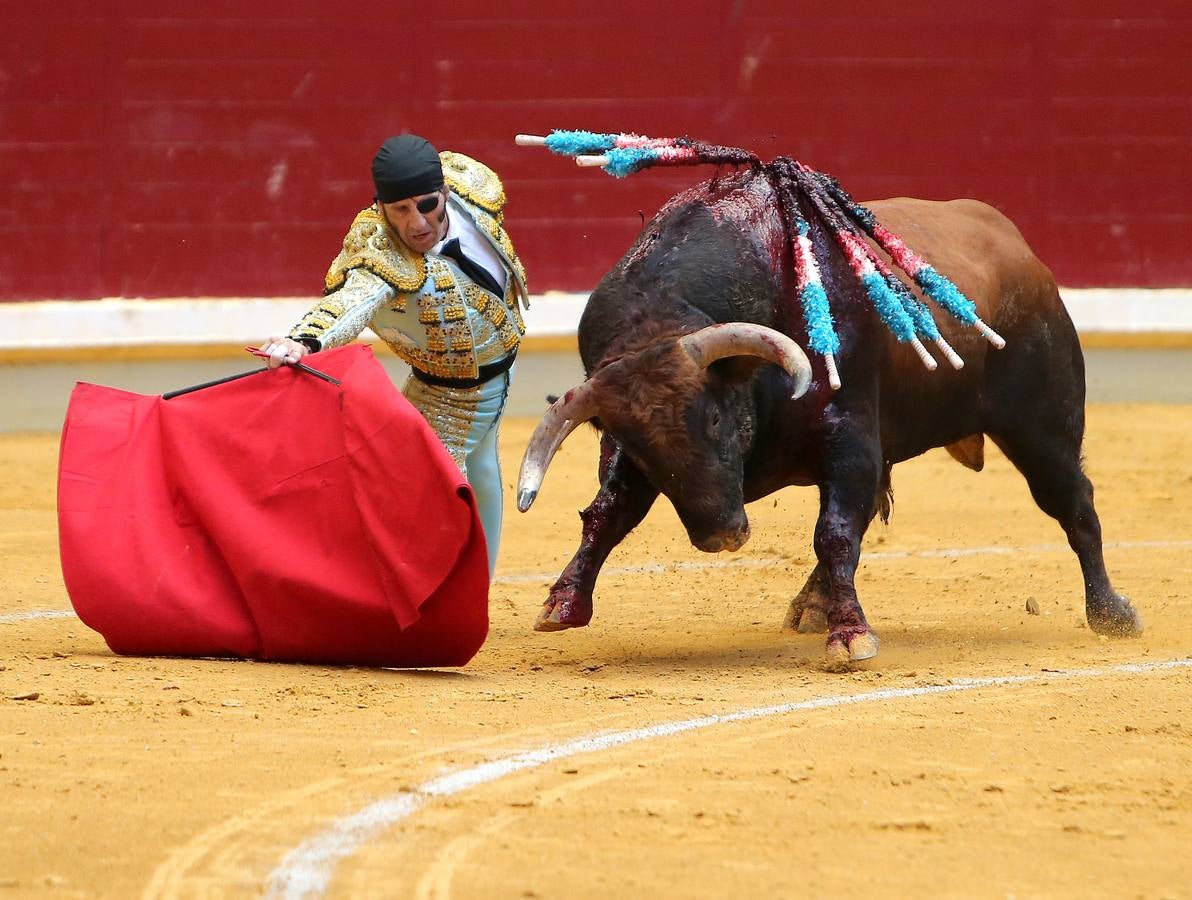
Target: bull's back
x,y
988,259
982,251
706,256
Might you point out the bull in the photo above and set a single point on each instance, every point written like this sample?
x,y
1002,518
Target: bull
x,y
701,391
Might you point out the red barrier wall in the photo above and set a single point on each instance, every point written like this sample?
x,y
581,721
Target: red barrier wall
x,y
221,148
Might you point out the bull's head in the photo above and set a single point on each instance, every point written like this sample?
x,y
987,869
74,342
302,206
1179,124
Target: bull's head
x,y
687,432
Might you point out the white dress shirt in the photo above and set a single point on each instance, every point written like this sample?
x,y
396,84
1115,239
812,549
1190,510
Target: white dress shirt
x,y
474,245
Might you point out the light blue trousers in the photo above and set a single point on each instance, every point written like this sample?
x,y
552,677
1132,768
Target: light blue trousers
x,y
467,421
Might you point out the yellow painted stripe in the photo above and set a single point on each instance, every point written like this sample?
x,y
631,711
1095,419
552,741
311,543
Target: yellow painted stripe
x,y
1137,340
560,343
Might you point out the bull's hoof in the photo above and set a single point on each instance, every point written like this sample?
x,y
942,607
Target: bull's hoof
x,y
845,649
863,646
1115,617
562,612
548,621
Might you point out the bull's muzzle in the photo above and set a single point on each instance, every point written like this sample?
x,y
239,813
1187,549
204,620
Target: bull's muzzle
x,y
730,540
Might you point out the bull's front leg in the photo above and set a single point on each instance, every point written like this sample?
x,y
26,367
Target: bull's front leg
x,y
808,611
847,504
624,498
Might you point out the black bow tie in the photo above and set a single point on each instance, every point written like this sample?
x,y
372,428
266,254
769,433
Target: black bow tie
x,y
470,267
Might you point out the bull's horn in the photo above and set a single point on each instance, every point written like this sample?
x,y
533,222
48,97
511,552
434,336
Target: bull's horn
x,y
747,339
564,416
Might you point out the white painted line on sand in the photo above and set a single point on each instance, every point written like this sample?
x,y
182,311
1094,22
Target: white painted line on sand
x,y
306,871
771,562
763,563
37,614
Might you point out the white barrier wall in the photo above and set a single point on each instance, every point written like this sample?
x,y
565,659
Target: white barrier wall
x,y
63,325
60,325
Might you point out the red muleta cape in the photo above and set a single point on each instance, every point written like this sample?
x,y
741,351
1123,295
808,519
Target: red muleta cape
x,y
276,517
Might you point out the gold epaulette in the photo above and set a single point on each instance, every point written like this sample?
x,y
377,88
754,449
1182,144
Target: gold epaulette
x,y
370,245
474,181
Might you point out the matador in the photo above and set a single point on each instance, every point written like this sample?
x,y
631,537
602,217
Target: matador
x,y
431,270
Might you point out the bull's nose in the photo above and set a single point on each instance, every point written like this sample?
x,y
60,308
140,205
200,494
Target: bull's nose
x,y
733,539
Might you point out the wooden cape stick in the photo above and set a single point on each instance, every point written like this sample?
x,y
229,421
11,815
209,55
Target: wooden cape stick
x,y
302,367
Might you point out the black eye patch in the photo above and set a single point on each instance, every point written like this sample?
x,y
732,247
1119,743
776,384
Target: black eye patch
x,y
428,204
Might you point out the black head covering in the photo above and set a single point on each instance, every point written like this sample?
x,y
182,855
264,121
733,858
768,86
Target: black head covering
x,y
406,166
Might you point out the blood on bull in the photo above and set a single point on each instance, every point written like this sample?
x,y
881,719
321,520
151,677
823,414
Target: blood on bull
x,y
765,330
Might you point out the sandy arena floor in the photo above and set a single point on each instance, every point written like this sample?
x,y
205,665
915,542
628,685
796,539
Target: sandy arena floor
x,y
158,778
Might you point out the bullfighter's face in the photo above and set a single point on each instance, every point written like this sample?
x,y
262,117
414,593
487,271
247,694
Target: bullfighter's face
x,y
420,222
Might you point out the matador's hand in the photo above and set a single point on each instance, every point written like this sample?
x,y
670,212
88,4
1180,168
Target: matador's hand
x,y
283,351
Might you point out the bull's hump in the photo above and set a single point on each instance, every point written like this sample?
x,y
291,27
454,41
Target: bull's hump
x,y
711,192
735,215
732,190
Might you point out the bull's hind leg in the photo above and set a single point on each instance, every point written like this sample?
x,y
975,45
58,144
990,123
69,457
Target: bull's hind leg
x,y
1049,459
624,498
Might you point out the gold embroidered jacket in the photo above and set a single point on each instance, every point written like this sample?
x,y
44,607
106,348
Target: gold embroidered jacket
x,y
422,305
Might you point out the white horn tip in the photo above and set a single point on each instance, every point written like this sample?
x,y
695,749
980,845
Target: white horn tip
x,y
525,499
529,140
